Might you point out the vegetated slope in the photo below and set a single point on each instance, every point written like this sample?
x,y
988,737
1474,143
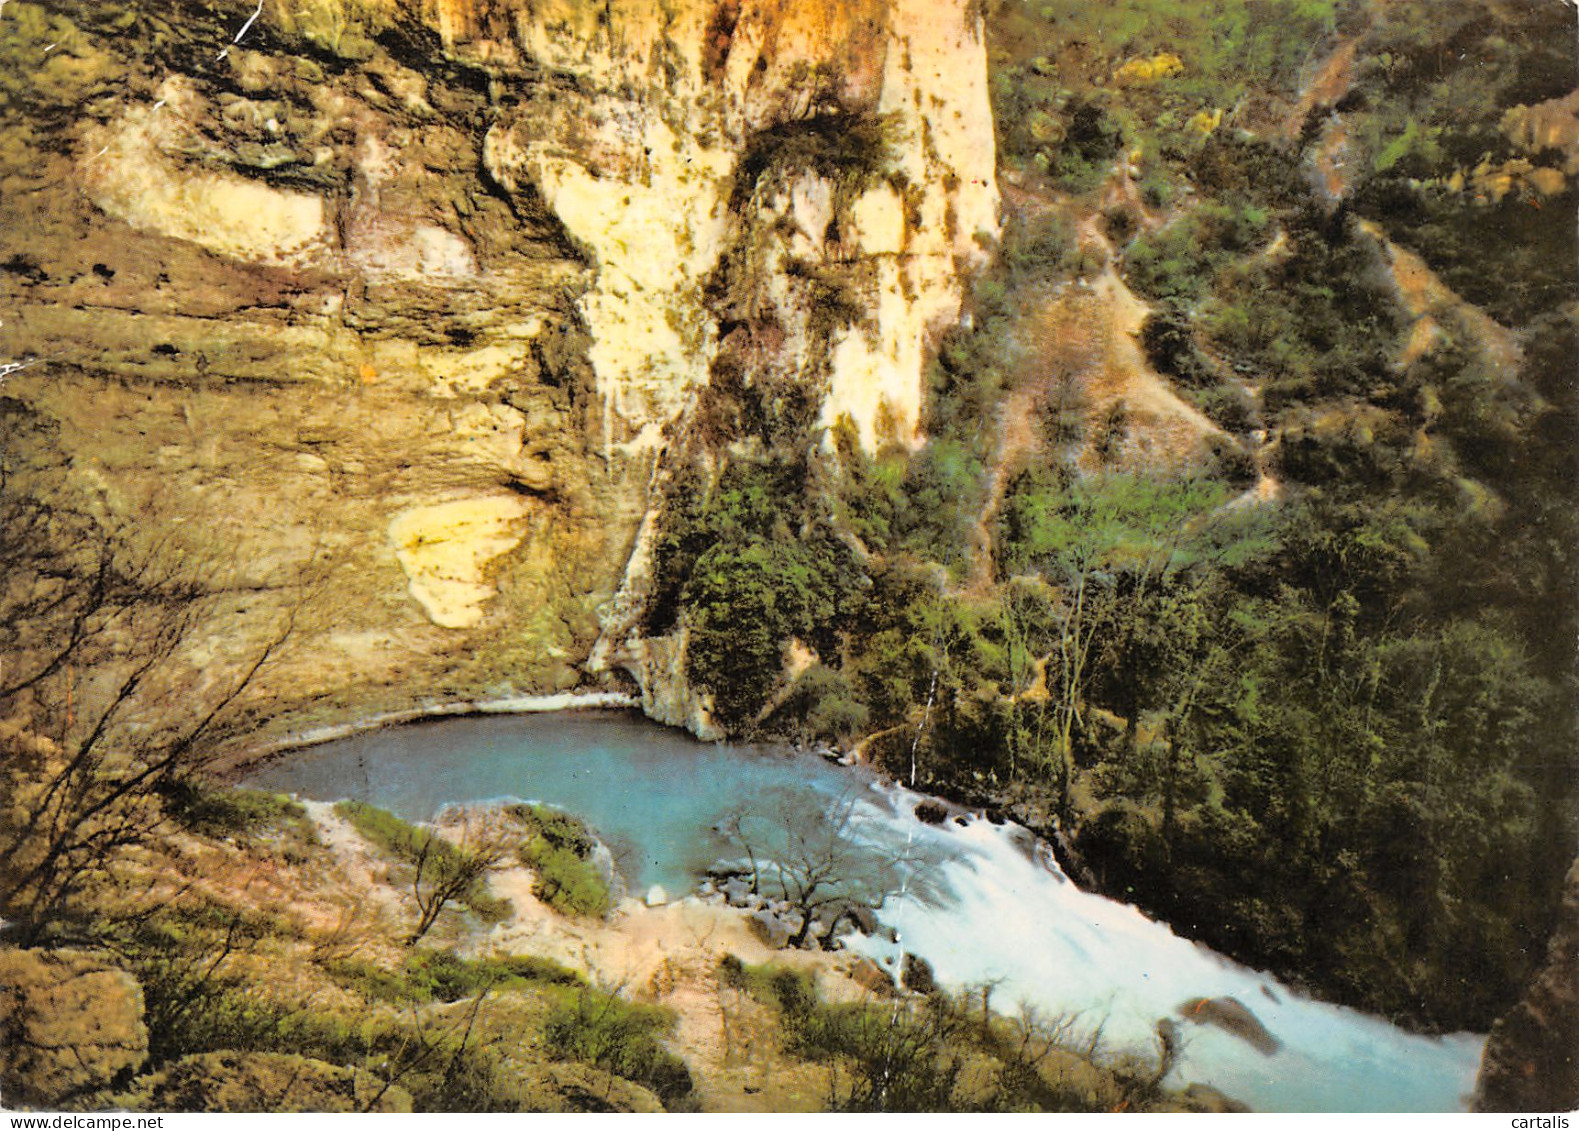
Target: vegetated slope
x,y
250,961
1327,728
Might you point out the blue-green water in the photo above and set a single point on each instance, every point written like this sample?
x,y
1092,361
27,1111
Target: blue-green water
x,y
652,794
994,909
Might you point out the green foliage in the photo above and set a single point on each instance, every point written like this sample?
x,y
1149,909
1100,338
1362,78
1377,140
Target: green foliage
x,y
197,965
1176,263
1316,320
560,850
440,975
1038,250
373,981
788,988
1319,756
1241,711
822,702
380,826
747,600
1428,101
621,1037
1057,109
942,1053
749,582
236,812
1138,524
1091,141
944,489
440,864
437,1063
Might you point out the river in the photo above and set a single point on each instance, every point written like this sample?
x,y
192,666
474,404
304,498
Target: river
x,y
989,906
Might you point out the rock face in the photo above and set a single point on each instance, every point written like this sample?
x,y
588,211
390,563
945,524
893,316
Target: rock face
x,y
401,304
261,1081
68,1026
1531,1062
573,1087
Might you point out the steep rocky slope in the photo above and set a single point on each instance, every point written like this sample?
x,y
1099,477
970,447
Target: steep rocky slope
x,y
1532,1055
397,305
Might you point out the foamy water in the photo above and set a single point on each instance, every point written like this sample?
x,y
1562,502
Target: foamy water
x,y
1002,913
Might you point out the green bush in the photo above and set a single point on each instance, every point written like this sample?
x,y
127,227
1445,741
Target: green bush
x,y
373,981
1178,263
443,976
560,849
621,1037
821,703
1092,139
747,600
236,812
383,828
430,975
1038,250
783,987
912,1055
409,843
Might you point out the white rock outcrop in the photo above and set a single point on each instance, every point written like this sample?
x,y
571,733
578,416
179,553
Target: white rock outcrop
x,y
643,157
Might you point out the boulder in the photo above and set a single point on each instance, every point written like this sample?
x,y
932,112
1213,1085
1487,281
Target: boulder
x,y
931,812
1203,1098
656,896
261,1081
770,929
737,892
916,975
69,1024
1232,1016
872,977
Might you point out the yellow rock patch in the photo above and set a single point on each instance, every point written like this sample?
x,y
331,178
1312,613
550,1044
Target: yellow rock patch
x,y
1141,71
445,550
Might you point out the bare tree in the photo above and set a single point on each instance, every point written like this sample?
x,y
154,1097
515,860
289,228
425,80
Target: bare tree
x,y
102,707
809,852
448,872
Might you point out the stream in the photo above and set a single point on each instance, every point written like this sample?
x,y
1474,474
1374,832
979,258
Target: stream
x,y
986,904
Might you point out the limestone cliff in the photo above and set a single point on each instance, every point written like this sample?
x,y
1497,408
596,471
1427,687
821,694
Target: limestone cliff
x,y
401,303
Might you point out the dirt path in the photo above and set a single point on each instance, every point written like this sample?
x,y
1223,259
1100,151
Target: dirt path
x,y
1431,302
1083,337
1326,86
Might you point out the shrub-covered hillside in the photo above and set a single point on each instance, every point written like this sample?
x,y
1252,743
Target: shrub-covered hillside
x,y
1241,545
